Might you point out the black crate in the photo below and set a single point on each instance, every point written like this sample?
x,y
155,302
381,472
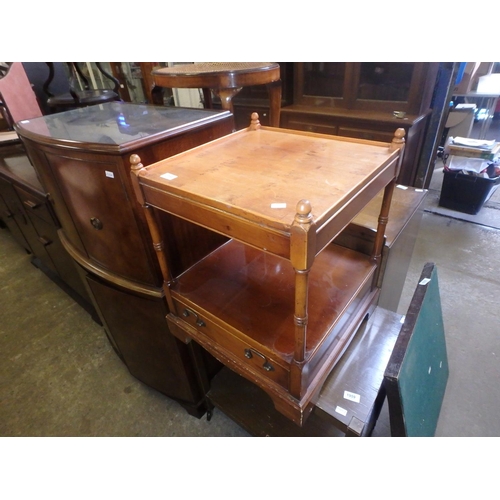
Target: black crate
x,y
466,193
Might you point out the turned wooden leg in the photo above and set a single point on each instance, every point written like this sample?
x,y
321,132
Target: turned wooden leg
x,y
226,97
274,89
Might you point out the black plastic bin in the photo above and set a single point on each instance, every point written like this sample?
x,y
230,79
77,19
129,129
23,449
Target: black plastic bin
x,y
466,193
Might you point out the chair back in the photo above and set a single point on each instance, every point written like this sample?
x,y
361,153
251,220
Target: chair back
x,y
17,99
82,90
38,74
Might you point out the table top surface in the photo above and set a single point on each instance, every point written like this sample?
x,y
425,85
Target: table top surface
x,y
215,67
114,124
262,175
218,75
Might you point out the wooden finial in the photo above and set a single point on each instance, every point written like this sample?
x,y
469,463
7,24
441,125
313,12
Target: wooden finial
x,y
136,167
135,163
304,214
398,139
255,123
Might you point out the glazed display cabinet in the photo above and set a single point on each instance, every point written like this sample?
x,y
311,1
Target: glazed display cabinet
x,y
365,100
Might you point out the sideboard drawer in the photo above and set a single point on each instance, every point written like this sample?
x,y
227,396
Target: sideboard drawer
x,y
368,134
35,205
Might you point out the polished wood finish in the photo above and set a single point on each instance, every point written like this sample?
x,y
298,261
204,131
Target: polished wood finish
x,y
147,79
252,302
97,225
401,358
256,99
360,372
82,158
225,80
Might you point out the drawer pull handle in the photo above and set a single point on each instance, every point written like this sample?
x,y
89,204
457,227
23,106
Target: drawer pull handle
x,y
188,312
31,204
96,223
249,353
44,241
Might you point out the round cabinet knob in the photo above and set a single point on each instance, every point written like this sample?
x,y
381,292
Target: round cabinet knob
x,y
96,223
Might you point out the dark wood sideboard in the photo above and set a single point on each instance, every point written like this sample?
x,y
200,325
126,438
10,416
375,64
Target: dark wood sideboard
x,y
82,160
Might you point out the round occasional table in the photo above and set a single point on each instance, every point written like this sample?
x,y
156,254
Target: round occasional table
x,y
225,80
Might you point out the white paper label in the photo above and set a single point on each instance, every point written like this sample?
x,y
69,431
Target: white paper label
x,y
351,396
169,177
341,410
278,205
109,174
424,281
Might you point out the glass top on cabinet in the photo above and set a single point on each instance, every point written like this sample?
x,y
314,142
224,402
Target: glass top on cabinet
x,y
114,124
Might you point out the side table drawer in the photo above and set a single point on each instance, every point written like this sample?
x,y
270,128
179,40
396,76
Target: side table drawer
x,y
249,356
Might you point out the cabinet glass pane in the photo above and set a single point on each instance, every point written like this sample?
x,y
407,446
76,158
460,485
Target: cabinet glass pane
x,y
385,81
324,79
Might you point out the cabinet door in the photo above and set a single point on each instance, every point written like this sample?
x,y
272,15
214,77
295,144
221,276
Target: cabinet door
x,y
322,84
96,198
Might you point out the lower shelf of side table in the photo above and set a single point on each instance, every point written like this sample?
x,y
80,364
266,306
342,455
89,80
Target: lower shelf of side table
x,y
238,302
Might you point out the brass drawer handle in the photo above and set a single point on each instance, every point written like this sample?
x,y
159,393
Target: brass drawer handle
x,y
249,353
188,312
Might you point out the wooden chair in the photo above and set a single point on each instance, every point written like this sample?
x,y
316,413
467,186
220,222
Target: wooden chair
x,y
38,74
79,92
17,100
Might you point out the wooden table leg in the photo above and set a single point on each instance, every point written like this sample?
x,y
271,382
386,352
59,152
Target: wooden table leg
x,y
226,97
207,98
226,100
274,89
